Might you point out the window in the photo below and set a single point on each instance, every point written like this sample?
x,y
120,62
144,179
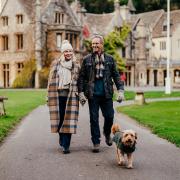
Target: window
x,y
59,18
178,43
5,42
165,24
58,40
141,75
123,52
162,45
6,75
19,67
5,21
19,41
73,39
164,28
19,18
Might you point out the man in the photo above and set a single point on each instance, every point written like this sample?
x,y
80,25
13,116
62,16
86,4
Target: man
x,y
95,83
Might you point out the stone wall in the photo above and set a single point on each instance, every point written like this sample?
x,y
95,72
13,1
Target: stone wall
x,y
13,56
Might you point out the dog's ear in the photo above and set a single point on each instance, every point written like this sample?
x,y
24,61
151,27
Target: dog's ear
x,y
135,135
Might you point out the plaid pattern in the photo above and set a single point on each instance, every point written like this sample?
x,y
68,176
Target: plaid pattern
x,y
99,61
72,106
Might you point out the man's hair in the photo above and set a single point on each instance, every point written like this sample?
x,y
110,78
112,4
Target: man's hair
x,y
98,36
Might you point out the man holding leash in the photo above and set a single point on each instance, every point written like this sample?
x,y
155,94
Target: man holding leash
x,y
95,83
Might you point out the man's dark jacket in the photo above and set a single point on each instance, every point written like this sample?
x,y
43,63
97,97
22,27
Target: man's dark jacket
x,y
87,76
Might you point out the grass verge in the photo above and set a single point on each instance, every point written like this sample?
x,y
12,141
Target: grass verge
x,y
18,105
129,95
163,118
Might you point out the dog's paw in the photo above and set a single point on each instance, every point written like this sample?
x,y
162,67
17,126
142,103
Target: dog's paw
x,y
121,163
129,167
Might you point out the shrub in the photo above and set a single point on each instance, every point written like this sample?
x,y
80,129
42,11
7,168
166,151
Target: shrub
x,y
43,76
26,78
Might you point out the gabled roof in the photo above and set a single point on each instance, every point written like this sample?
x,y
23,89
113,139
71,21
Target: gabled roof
x,y
29,7
97,23
30,4
150,19
2,5
174,21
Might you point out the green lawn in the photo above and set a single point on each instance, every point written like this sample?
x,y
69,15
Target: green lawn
x,y
129,95
162,117
19,104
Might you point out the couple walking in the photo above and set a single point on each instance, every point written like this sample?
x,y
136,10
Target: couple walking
x,y
93,82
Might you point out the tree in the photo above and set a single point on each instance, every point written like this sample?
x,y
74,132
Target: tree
x,y
97,6
114,41
100,6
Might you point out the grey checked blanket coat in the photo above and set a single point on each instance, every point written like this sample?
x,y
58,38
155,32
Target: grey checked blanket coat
x,y
72,106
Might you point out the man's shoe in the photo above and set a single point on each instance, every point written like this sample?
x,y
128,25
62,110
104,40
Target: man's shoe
x,y
96,148
108,140
66,151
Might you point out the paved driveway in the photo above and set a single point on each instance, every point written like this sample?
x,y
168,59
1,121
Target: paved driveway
x,y
31,152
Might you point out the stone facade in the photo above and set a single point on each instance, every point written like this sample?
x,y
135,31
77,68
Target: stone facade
x,y
34,29
12,54
145,51
157,63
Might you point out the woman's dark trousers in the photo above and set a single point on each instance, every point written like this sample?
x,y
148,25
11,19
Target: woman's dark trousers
x,y
106,106
64,138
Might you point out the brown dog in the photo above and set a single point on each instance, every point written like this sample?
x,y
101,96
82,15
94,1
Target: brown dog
x,y
125,144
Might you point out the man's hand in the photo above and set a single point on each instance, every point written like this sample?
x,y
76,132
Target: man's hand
x,y
120,97
82,98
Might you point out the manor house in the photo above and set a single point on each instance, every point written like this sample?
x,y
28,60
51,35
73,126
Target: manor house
x,y
36,28
145,48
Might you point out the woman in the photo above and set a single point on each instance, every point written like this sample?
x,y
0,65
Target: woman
x,y
63,100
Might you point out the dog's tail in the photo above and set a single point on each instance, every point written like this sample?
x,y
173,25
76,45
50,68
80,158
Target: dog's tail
x,y
115,128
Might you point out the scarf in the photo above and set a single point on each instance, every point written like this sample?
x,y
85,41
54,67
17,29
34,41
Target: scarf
x,y
99,64
64,73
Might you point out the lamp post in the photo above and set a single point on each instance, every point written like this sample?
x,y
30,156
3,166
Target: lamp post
x,y
168,79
